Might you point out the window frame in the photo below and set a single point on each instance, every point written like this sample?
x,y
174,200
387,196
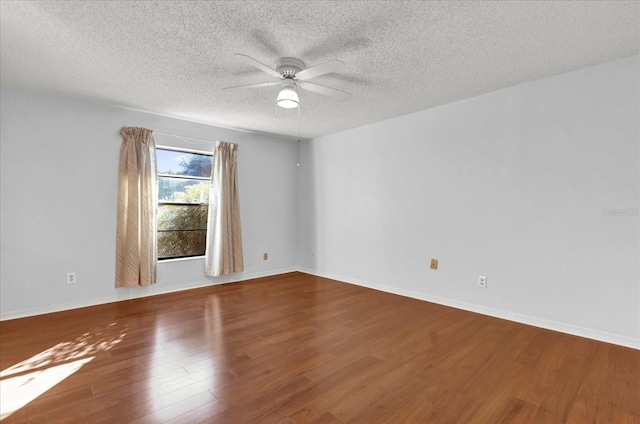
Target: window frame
x,y
184,177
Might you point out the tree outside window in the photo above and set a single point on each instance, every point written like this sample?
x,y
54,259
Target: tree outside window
x,y
184,179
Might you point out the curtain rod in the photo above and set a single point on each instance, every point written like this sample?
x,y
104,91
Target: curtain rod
x,y
181,137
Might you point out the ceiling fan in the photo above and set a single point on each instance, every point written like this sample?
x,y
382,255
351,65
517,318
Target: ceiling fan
x,y
291,72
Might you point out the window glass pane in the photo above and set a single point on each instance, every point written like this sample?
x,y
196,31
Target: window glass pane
x,y
176,244
171,162
182,217
183,196
182,190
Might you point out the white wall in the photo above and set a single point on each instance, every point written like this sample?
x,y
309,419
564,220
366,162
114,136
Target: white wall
x,y
59,171
510,185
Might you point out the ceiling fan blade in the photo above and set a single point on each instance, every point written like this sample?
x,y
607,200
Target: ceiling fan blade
x,y
317,88
251,61
324,68
259,84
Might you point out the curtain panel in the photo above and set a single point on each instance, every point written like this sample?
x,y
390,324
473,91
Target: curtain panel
x,y
224,238
136,249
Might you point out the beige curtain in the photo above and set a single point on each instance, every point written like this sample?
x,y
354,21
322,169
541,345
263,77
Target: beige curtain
x,y
136,250
224,238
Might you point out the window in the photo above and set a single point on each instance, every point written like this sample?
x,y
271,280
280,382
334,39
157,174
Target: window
x,y
184,178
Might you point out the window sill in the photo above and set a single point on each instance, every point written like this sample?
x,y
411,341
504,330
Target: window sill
x,y
164,261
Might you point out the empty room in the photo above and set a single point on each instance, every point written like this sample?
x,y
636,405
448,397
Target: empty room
x,y
307,212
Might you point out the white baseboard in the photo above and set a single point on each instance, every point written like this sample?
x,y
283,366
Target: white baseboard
x,y
127,294
510,316
523,319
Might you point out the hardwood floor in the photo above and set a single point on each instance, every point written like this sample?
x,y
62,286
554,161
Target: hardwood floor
x,y
302,349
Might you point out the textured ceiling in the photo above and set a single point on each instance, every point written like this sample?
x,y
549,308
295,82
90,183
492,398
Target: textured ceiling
x,y
173,57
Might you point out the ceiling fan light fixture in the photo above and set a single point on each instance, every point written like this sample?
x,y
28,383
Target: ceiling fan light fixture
x,y
288,98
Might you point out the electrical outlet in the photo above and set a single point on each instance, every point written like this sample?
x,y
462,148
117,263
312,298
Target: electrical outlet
x,y
482,282
71,277
313,254
434,264
265,256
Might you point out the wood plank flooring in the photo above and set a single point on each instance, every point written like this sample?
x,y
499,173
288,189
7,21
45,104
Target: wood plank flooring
x,y
295,349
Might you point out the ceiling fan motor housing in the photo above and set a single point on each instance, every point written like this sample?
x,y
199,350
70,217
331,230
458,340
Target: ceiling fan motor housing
x,y
288,67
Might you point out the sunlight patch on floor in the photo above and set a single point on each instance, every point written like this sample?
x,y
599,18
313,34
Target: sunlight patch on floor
x,y
20,384
16,392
